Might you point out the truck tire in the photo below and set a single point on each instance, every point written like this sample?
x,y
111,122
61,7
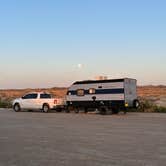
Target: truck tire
x,y
59,110
136,104
17,107
46,108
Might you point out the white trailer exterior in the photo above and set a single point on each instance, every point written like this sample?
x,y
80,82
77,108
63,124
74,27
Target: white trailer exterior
x,y
113,93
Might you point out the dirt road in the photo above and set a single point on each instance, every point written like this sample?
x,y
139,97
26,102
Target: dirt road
x,y
55,139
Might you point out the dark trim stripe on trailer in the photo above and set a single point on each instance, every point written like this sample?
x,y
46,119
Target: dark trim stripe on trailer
x,y
99,91
98,81
94,104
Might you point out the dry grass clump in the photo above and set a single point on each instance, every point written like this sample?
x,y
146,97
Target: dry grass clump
x,y
5,104
155,91
150,106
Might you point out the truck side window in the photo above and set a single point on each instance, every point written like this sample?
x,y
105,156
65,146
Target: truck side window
x,y
30,96
80,92
45,96
92,91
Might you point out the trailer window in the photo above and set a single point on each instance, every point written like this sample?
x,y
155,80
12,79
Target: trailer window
x,y
92,91
80,92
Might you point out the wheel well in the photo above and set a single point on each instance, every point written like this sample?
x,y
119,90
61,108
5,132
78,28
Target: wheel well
x,y
17,104
45,104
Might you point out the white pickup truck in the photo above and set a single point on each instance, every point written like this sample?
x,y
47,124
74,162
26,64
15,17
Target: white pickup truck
x,y
38,100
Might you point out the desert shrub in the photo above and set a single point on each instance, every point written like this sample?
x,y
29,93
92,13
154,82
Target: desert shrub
x,y
159,109
5,104
149,106
145,106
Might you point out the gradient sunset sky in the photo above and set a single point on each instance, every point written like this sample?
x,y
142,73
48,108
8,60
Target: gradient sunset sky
x,y
47,43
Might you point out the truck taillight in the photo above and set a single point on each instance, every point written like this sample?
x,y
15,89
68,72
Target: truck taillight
x,y
55,101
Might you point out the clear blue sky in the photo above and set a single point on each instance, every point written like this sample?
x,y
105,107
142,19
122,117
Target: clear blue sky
x,y
43,41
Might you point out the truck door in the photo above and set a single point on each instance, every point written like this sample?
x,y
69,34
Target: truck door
x,y
28,101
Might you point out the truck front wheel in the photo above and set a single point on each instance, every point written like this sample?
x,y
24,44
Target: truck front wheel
x,y
17,107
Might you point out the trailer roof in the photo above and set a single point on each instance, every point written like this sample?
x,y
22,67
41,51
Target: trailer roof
x,y
100,81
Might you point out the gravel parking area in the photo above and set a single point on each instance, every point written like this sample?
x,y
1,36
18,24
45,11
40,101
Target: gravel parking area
x,y
55,139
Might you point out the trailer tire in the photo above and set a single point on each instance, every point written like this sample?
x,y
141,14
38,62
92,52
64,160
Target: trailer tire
x,y
115,110
76,110
109,111
85,110
67,110
103,110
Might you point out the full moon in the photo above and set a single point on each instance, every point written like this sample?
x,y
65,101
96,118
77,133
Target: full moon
x,y
79,65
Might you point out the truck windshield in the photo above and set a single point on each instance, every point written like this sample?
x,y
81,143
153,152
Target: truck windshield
x,y
45,96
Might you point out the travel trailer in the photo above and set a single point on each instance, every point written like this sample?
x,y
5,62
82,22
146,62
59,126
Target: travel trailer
x,y
106,96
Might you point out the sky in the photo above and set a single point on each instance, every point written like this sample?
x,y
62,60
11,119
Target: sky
x,y
49,43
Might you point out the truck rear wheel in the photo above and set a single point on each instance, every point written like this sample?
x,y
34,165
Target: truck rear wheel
x,y
46,108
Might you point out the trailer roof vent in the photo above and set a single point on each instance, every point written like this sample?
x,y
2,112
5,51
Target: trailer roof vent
x,y
101,78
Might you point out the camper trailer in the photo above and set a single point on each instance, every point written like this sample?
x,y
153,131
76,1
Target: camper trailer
x,y
106,96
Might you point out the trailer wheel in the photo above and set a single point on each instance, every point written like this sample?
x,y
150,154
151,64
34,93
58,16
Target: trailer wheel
x,y
109,111
106,111
115,110
85,110
67,110
76,110
103,110
136,104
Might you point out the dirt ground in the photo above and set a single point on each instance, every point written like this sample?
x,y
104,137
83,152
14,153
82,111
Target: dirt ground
x,y
60,139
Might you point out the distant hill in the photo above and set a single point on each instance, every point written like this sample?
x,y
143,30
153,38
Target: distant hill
x,y
15,93
156,91
143,91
